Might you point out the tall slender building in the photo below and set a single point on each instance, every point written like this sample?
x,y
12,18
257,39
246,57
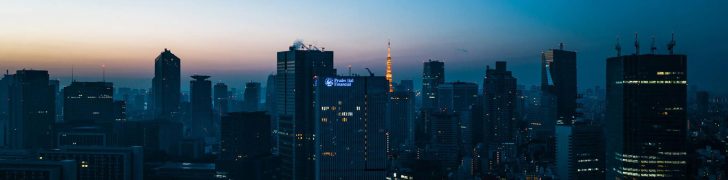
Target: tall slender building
x,y
499,91
31,111
200,124
389,67
350,127
297,71
646,127
558,84
433,74
166,86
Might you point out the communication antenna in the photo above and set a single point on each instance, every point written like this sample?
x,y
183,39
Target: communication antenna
x,y
653,48
103,73
671,44
73,78
637,43
618,47
349,69
561,46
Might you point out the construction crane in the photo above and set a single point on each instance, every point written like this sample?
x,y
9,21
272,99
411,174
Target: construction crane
x,y
370,72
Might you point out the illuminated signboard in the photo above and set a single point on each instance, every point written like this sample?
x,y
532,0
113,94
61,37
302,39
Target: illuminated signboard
x,y
344,82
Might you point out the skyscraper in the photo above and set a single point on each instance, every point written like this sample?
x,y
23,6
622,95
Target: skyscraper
x,y
433,74
88,102
646,125
350,127
558,84
166,86
31,111
245,145
401,123
297,70
200,124
389,67
252,96
499,91
456,96
222,98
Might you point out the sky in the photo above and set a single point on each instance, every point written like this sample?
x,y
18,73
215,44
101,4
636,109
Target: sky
x,y
236,41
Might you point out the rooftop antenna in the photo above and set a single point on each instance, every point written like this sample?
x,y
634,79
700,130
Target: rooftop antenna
x,y
618,47
73,78
653,49
561,46
671,44
636,44
7,72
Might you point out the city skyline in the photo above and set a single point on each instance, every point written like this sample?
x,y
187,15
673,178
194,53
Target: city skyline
x,y
235,45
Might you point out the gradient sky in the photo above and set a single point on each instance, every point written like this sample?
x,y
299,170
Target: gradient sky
x,y
236,41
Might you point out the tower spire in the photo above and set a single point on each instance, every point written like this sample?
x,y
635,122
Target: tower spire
x,y
637,43
389,66
618,47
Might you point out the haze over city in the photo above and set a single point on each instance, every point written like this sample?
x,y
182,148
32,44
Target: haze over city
x,y
235,41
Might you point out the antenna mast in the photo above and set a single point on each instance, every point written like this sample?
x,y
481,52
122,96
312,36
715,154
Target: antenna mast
x,y
103,73
618,47
636,44
671,44
653,49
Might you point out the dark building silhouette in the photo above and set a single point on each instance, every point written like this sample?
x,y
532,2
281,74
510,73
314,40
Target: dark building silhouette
x,y
456,97
101,162
499,92
579,151
270,107
31,111
5,83
246,145
445,140
166,86
401,123
297,70
646,126
252,96
119,111
88,102
200,124
222,98
350,127
558,85
38,169
433,74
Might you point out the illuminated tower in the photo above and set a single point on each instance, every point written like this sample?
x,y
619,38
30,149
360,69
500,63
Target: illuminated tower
x,y
389,67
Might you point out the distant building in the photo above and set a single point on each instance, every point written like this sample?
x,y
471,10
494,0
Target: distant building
x,y
31,111
166,86
222,98
456,97
350,127
200,124
101,162
252,96
433,74
88,102
646,126
296,70
237,157
38,169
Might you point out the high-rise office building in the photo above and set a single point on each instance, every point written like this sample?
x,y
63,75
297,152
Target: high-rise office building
x,y
401,123
433,74
252,96
166,86
31,111
88,102
456,96
558,85
445,140
5,83
239,131
499,92
350,127
222,98
200,124
297,70
646,126
101,162
579,151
